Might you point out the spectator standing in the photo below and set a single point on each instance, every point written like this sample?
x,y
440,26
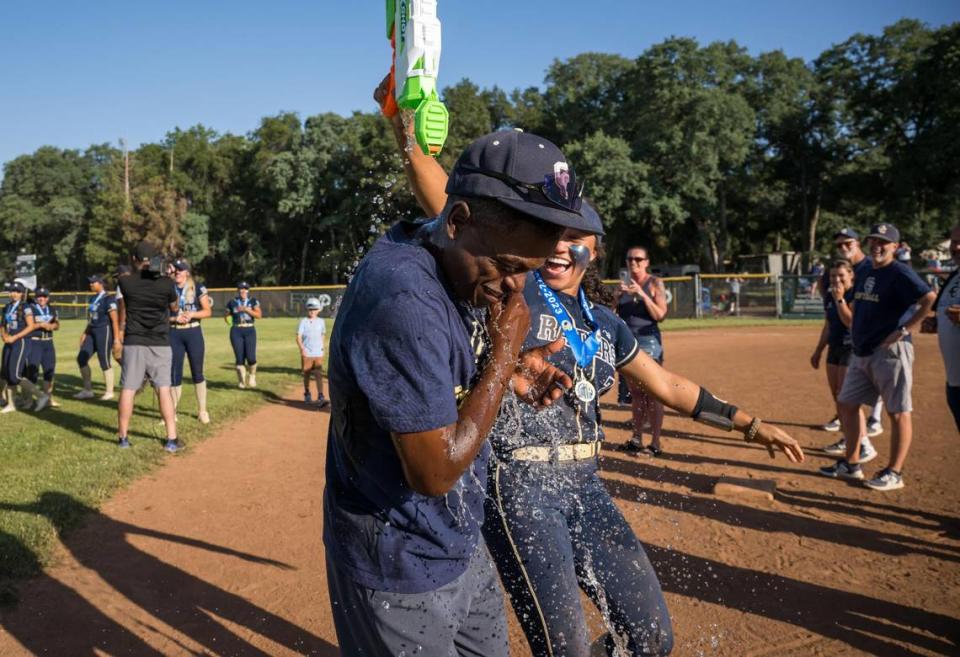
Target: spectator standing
x,y
883,356
946,323
847,243
148,300
643,305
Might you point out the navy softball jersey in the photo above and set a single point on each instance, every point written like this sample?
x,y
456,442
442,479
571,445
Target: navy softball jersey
x,y
99,307
14,356
238,318
402,354
567,420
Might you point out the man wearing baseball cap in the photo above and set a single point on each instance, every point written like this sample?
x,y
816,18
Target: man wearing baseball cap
x,y
847,243
883,355
427,339
148,299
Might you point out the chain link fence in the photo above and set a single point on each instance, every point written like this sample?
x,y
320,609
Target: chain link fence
x,y
698,296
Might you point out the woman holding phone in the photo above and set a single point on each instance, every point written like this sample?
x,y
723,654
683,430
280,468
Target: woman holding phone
x,y
643,305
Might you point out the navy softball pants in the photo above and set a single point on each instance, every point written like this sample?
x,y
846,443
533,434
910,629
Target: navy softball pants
x,y
189,342
244,342
553,530
13,361
40,353
99,341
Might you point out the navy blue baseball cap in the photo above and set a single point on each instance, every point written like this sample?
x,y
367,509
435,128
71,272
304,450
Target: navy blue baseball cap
x,y
847,233
96,278
181,265
41,292
16,286
243,285
524,172
886,232
591,219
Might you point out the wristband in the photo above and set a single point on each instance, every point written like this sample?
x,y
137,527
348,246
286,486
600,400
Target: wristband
x,y
750,435
714,412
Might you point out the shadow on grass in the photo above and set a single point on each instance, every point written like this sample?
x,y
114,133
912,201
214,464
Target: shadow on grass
x,y
186,603
873,625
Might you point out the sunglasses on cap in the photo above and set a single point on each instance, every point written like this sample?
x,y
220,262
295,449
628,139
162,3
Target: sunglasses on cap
x,y
562,191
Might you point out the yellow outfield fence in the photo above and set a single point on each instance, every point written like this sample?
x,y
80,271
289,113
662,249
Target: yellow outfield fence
x,y
699,295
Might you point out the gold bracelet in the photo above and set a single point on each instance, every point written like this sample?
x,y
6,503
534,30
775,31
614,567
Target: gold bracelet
x,y
750,434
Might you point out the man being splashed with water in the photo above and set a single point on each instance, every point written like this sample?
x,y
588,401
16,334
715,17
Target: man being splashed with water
x,y
427,340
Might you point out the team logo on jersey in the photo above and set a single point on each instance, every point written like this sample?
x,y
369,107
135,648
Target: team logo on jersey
x,y
869,284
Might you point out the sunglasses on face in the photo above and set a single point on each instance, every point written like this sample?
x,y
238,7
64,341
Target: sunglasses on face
x,y
562,191
636,259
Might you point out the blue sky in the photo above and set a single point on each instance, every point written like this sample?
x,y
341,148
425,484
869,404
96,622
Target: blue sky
x,y
76,73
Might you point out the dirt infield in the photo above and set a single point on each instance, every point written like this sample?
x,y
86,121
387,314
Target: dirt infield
x,y
220,551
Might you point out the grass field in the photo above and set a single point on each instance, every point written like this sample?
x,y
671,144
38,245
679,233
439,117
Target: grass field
x,y
72,449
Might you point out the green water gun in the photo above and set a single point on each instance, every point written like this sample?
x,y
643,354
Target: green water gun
x,y
414,31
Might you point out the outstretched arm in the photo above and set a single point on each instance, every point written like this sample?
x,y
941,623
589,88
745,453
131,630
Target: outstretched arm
x,y
682,395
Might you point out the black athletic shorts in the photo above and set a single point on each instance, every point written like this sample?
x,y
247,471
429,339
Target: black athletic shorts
x,y
839,355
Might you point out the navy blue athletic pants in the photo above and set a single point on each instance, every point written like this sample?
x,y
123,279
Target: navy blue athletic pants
x,y
553,530
99,341
244,342
13,361
189,342
40,353
953,401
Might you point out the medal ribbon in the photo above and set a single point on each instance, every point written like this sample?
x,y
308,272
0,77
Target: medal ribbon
x,y
96,302
12,314
583,350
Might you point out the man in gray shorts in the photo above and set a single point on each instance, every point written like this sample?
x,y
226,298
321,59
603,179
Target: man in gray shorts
x,y
882,355
148,297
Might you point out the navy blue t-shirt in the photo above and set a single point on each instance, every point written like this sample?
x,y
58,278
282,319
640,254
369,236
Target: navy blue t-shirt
x,y
403,353
567,420
838,335
881,297
99,308
234,305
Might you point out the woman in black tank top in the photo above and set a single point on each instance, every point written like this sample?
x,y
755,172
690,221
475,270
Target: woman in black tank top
x,y
643,305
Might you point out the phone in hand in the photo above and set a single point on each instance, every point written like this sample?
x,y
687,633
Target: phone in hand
x,y
625,276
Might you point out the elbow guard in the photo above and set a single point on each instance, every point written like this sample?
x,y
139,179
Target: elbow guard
x,y
714,412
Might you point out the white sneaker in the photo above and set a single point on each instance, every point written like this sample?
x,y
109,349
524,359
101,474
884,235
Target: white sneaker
x,y
838,448
886,479
9,408
842,470
204,418
84,394
42,402
53,403
874,428
106,396
252,382
832,425
867,451
241,385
